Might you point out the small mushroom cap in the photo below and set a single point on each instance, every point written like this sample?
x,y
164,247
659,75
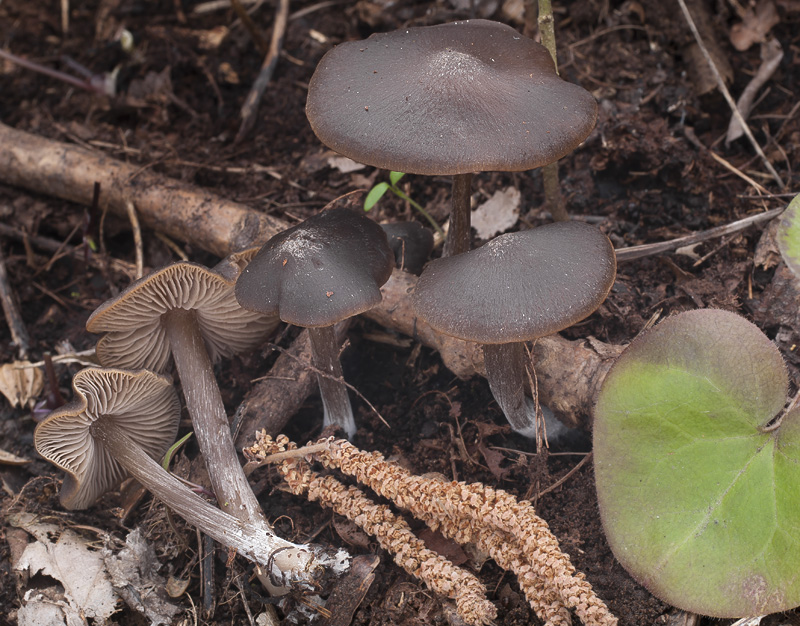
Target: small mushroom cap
x,y
519,286
143,403
135,337
325,269
449,99
411,243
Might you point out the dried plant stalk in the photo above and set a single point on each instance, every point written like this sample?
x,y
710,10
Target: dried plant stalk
x,y
391,531
543,599
460,510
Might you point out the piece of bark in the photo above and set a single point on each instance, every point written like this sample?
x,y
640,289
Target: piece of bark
x,y
163,204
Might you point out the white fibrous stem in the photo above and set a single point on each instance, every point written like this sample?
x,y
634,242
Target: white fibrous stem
x,y
212,429
505,370
335,401
284,562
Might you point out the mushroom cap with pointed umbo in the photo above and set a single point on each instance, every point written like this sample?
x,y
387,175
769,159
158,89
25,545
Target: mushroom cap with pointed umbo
x,y
449,99
145,404
325,269
519,286
135,337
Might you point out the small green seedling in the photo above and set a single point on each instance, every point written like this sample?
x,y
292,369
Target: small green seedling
x,y
789,236
698,468
378,191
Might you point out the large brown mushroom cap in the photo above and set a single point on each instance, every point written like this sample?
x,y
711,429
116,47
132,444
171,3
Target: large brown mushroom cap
x,y
143,403
135,337
325,269
449,99
519,286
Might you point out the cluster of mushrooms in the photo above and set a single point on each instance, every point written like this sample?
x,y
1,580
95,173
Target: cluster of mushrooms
x,y
447,100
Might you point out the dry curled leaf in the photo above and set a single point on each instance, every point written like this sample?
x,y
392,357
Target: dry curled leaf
x,y
69,559
497,214
755,25
20,383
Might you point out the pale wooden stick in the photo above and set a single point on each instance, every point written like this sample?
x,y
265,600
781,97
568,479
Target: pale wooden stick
x,y
137,238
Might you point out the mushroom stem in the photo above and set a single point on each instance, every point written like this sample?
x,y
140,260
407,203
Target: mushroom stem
x,y
459,235
505,370
335,401
211,426
266,549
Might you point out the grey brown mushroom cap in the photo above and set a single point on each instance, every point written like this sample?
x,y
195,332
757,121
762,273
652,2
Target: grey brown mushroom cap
x,y
135,337
449,99
325,269
519,286
145,404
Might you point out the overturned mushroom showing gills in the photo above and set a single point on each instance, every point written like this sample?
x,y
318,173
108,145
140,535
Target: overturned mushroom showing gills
x,y
516,288
320,272
190,311
117,424
451,99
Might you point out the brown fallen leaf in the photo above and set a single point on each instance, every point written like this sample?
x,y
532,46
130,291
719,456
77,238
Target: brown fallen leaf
x,y
348,594
755,25
19,383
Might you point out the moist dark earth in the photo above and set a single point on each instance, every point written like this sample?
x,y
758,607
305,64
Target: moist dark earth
x,y
645,174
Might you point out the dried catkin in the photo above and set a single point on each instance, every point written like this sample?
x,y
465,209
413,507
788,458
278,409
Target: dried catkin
x,y
391,531
463,508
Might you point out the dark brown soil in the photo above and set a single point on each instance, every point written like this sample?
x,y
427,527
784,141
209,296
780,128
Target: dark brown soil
x,y
640,177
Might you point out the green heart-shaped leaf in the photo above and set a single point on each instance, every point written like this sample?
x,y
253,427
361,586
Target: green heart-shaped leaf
x,y
700,504
789,236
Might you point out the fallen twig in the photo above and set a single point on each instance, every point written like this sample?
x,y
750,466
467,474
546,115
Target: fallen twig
x,y
727,94
177,209
61,250
96,84
137,238
250,106
650,249
771,56
19,332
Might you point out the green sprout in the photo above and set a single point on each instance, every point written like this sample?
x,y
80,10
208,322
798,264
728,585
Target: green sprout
x,y
697,466
377,192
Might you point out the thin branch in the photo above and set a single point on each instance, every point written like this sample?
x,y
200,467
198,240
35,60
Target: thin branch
x,y
19,332
137,238
650,249
250,106
724,90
